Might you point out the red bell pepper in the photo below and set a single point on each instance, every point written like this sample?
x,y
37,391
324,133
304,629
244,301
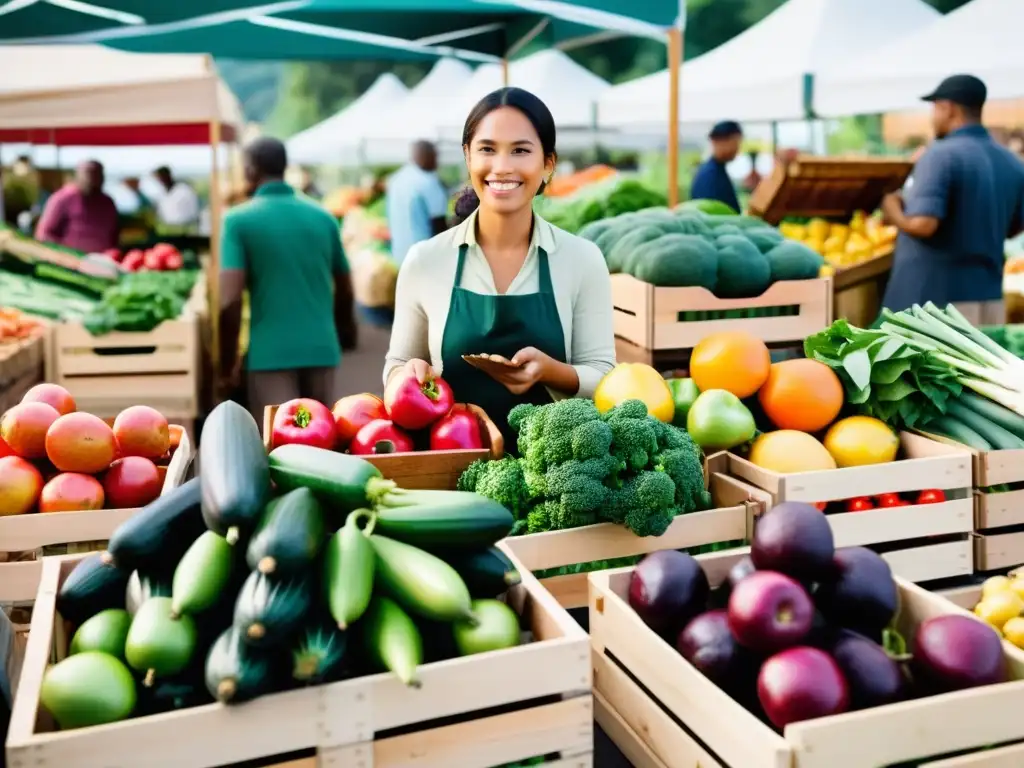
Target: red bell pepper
x,y
412,405
380,436
459,429
303,422
354,412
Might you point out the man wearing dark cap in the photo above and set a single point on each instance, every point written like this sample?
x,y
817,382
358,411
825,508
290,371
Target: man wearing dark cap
x,y
965,199
286,250
711,182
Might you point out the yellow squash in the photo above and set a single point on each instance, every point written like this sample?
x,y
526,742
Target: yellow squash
x,y
635,381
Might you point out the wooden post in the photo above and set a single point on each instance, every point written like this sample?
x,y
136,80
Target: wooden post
x,y
675,65
504,72
216,205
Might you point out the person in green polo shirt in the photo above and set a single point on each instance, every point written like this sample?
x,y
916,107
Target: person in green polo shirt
x,y
286,251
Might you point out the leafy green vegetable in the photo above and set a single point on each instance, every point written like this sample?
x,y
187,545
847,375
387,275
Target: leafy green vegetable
x,y
140,302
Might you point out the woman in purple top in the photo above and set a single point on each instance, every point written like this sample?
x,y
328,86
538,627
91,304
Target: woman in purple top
x,y
81,215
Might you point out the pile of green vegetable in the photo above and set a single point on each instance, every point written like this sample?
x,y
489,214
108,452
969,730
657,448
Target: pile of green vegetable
x,y
141,301
732,256
596,202
1009,337
929,369
226,590
580,467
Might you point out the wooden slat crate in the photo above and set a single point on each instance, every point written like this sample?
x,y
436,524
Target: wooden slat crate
x,y
859,290
106,374
663,713
648,316
543,690
902,532
23,536
21,368
438,470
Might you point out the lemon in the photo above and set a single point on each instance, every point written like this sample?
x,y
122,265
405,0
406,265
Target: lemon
x,y
1017,585
860,440
1013,630
994,585
999,608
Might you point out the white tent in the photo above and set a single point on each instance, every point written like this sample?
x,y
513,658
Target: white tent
x,y
982,38
339,139
417,115
767,73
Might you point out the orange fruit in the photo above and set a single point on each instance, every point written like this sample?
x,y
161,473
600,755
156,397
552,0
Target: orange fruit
x,y
801,394
733,360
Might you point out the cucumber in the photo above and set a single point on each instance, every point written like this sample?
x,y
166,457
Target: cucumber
x,y
158,645
345,483
474,524
422,583
952,429
993,433
269,610
93,585
235,478
202,575
289,536
181,692
160,533
142,587
105,632
235,672
348,571
392,640
487,574
319,654
994,412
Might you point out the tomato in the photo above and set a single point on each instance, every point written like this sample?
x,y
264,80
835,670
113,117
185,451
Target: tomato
x,y
931,496
822,505
860,504
888,500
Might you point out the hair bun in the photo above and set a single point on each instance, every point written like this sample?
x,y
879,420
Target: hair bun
x,y
466,203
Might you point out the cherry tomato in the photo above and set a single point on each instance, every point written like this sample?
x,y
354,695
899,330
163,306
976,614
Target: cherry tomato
x,y
931,496
888,500
860,504
822,505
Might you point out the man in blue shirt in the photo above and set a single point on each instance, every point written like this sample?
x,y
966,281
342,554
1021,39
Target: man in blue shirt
x,y
965,199
416,201
711,182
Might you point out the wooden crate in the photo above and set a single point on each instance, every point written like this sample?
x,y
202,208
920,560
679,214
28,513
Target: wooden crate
x,y
543,689
903,531
648,315
21,368
663,713
737,504
106,374
439,470
859,290
22,536
827,187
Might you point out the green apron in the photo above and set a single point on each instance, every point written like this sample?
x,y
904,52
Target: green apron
x,y
499,325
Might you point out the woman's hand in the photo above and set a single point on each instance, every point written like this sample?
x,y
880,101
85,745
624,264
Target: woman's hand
x,y
419,368
533,366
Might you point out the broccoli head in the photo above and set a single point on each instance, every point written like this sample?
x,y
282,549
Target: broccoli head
x,y
545,435
591,440
653,497
468,479
634,436
539,518
685,467
670,437
519,415
503,482
577,484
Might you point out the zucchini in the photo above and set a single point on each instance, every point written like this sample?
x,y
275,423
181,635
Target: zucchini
x,y
952,429
170,695
289,536
421,582
235,478
269,610
93,586
235,672
157,644
994,412
141,587
319,654
470,525
392,640
348,571
487,574
160,533
344,482
202,575
993,433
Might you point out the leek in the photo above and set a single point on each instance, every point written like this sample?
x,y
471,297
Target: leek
x,y
1009,399
951,316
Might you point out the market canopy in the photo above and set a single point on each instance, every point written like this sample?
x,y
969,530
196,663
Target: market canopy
x,y
416,115
982,38
91,95
769,72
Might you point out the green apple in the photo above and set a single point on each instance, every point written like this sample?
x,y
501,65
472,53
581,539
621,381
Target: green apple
x,y
718,421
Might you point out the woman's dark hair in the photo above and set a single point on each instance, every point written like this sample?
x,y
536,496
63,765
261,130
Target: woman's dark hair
x,y
535,110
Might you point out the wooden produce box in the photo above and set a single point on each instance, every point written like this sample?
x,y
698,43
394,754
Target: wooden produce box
x,y
663,713
859,290
22,537
21,368
511,705
737,505
438,470
105,374
904,535
649,316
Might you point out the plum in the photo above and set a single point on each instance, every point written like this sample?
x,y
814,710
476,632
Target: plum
x,y
769,612
954,652
794,539
873,676
800,684
862,595
667,589
708,645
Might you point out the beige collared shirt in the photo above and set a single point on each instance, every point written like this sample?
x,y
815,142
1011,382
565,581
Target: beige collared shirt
x,y
579,279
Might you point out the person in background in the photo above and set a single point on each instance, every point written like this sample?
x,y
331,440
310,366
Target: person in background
x,y
711,182
178,207
286,250
136,202
416,201
966,199
80,214
307,186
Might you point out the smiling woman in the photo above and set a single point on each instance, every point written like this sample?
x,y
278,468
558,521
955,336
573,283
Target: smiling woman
x,y
504,281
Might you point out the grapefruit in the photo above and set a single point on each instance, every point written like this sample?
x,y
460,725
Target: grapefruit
x,y
51,394
801,394
734,361
131,482
71,492
142,431
788,451
81,442
24,428
20,485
